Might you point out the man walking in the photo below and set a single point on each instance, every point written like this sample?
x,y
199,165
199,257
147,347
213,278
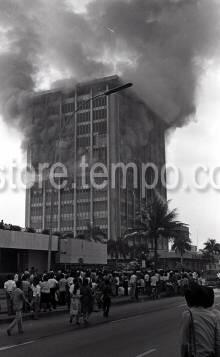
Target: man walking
x,y
18,300
9,286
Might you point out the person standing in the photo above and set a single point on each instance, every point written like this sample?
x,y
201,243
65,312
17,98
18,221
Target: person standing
x,y
133,285
53,285
18,299
153,284
62,286
9,287
26,287
75,304
106,298
45,293
86,301
36,293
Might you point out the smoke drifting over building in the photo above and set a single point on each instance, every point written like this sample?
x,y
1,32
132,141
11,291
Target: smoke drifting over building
x,y
160,45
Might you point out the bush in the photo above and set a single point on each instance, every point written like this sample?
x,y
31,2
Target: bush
x,y
30,230
15,228
45,231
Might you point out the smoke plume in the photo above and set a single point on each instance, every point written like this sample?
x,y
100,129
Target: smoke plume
x,y
162,46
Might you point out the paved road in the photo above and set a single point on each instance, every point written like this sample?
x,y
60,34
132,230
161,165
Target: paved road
x,y
135,330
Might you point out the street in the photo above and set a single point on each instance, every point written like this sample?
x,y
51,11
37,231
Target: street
x,y
132,330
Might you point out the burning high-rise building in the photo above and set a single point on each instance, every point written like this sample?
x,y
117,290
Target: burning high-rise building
x,y
109,132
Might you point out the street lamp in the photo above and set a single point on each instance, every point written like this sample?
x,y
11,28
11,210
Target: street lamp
x,y
105,93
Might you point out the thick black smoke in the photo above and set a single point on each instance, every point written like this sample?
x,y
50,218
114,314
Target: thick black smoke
x,y
160,45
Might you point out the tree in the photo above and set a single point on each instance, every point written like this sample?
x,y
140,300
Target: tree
x,y
122,248
95,234
211,249
112,248
181,244
30,230
118,248
162,222
155,220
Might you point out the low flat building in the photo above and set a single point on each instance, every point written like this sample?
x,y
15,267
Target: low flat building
x,y
22,250
191,261
78,251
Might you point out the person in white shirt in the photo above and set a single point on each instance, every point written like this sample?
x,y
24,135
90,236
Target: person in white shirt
x,y
9,287
36,293
53,285
153,284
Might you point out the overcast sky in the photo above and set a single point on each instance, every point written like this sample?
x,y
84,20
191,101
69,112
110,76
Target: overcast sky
x,y
195,144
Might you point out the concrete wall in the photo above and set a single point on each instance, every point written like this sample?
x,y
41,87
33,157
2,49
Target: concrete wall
x,y
24,240
71,250
38,260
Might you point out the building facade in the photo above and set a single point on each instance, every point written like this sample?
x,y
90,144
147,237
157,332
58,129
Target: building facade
x,y
113,131
23,250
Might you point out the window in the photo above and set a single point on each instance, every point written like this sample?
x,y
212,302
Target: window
x,y
100,127
99,114
68,108
99,102
83,129
83,105
83,117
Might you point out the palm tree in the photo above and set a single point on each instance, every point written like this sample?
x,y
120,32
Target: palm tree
x,y
211,249
155,220
162,222
122,247
181,244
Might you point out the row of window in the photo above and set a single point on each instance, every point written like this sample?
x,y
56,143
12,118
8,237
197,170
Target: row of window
x,y
100,214
67,195
66,228
83,215
100,127
83,117
99,102
101,222
48,217
66,216
36,219
68,108
34,204
83,207
99,114
83,129
36,211
99,139
83,104
67,209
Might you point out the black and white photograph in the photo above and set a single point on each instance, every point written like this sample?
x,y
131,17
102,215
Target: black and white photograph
x,y
109,178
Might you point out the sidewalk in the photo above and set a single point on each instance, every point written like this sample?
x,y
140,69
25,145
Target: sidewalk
x,y
122,300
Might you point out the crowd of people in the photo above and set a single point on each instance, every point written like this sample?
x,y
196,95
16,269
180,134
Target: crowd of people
x,y
84,291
